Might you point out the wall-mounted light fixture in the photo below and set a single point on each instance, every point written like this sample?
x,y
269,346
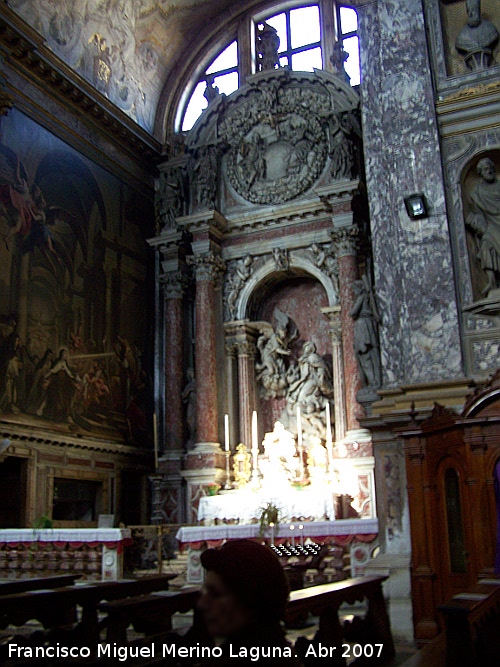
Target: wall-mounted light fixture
x,y
416,206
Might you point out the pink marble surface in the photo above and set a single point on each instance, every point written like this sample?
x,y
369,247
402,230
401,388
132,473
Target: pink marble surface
x,y
173,374
206,364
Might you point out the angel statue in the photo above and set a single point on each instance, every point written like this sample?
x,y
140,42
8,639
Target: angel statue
x,y
273,346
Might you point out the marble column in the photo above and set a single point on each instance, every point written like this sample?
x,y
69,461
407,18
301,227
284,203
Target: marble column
x,y
413,265
232,391
208,267
246,387
344,240
174,287
334,317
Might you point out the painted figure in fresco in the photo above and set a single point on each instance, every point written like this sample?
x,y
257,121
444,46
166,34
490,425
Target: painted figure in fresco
x,y
9,372
366,319
37,396
484,220
189,399
476,41
62,382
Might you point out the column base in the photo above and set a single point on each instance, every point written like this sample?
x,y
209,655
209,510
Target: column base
x,y
205,447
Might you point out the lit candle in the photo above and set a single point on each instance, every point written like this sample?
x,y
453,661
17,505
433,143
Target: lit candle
x,y
271,526
301,528
155,440
226,432
292,528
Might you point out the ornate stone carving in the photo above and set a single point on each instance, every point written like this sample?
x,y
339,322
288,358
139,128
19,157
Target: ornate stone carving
x,y
175,284
204,174
484,220
246,348
208,266
273,345
475,42
366,319
345,240
170,197
242,467
281,261
277,142
231,349
345,139
211,91
189,400
326,262
237,277
338,58
267,47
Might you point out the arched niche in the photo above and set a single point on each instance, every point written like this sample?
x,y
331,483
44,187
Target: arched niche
x,y
266,276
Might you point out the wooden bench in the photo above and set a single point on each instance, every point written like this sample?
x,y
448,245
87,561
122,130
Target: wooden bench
x,y
58,608
151,614
472,626
14,586
324,601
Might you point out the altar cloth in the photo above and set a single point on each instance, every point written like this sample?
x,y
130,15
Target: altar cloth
x,y
83,535
320,531
246,506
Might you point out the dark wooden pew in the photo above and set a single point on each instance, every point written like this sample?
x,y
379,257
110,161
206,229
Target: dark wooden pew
x,y
324,601
151,614
11,587
472,626
58,608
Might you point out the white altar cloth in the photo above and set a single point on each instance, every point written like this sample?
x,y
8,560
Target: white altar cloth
x,y
194,534
10,535
245,506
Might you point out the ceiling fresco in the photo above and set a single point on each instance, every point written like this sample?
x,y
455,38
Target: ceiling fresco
x,y
125,48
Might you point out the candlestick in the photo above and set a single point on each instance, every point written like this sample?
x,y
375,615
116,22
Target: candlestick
x,y
271,526
299,442
292,528
155,441
329,439
226,432
227,485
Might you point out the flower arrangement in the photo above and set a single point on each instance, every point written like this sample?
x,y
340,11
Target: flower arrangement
x,y
212,489
270,514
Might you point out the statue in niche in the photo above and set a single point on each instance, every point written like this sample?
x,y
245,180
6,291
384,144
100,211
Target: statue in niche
x,y
476,41
484,220
268,44
241,273
189,399
326,262
204,177
366,319
280,256
170,198
273,345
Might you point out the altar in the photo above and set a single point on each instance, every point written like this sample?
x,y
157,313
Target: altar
x,y
94,553
245,506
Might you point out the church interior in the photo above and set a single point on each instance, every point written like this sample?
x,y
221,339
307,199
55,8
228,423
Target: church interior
x,y
250,290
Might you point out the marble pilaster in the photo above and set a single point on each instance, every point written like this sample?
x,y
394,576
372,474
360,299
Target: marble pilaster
x,y
246,387
207,266
413,268
232,391
333,315
344,240
174,287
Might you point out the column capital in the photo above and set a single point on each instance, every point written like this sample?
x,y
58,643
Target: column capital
x,y
231,349
333,315
175,284
246,348
345,240
208,267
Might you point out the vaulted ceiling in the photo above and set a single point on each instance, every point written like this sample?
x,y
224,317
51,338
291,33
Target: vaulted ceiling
x,y
128,49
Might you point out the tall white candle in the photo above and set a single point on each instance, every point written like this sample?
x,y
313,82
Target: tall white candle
x,y
226,432
299,428
255,441
328,424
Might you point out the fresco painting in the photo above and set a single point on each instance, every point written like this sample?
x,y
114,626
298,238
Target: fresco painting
x,y
74,291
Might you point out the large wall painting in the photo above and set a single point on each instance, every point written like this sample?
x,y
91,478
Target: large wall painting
x,y
75,344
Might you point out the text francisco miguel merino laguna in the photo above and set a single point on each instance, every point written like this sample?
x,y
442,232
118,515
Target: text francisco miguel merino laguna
x,y
123,653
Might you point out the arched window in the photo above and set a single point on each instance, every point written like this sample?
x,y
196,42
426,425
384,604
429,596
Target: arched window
x,y
303,32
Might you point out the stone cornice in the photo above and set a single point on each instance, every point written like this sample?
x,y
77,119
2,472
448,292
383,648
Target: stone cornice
x,y
31,436
25,51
